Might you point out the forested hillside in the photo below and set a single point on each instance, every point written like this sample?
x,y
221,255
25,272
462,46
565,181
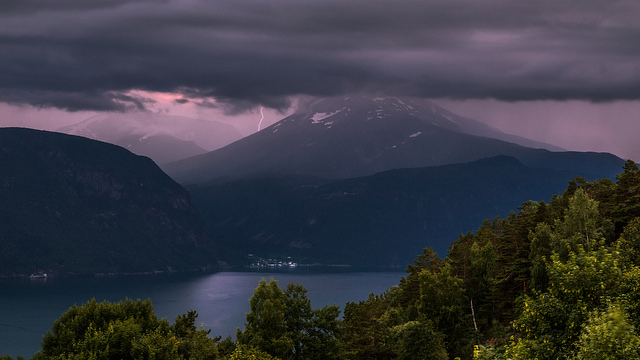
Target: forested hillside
x,y
380,221
556,280
75,206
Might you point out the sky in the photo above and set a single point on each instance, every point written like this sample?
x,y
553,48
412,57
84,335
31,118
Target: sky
x,y
564,71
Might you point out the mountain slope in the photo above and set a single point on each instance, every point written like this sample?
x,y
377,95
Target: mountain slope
x,y
164,138
359,135
380,220
73,205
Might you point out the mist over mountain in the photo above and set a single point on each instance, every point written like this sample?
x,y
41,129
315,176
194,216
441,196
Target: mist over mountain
x,y
360,135
71,205
164,138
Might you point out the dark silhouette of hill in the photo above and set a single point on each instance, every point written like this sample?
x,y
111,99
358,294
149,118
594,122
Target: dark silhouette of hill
x,y
70,205
380,220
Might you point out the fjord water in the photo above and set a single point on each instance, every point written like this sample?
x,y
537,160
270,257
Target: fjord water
x,y
29,308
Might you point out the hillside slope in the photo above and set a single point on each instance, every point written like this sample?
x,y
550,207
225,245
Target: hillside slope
x,y
339,138
374,221
70,205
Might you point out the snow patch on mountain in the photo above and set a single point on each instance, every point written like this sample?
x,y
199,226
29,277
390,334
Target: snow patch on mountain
x,y
318,117
415,134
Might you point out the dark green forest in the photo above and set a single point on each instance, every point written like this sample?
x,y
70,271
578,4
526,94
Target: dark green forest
x,y
553,280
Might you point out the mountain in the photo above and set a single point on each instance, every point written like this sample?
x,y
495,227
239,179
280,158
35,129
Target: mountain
x,y
344,137
71,205
370,181
164,138
379,220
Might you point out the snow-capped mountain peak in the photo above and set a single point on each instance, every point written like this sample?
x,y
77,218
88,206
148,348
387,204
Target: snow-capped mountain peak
x,y
349,136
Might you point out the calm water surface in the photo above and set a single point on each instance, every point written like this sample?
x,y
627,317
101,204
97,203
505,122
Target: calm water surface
x,y
29,308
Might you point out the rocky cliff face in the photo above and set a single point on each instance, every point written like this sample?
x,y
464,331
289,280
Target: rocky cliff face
x,y
71,205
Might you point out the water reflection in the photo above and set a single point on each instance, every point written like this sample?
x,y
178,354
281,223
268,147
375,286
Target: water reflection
x,y
29,308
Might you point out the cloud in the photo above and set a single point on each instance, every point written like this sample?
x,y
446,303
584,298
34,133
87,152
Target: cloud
x,y
80,55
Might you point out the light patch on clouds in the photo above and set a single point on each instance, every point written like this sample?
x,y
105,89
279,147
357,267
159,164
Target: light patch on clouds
x,y
173,104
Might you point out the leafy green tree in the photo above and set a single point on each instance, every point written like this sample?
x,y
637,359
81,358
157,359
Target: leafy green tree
x,y
297,317
420,340
581,226
86,327
283,324
550,323
265,328
366,332
443,301
609,335
124,330
323,335
226,347
159,345
244,352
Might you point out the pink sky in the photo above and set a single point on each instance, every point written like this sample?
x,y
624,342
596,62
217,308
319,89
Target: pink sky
x,y
574,125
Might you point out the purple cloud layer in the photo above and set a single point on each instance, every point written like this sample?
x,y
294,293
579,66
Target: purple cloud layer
x,y
87,55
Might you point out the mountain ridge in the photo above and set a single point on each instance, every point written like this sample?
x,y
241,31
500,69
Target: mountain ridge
x,y
378,220
72,205
356,136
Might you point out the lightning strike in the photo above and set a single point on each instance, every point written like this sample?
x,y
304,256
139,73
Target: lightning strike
x,y
261,118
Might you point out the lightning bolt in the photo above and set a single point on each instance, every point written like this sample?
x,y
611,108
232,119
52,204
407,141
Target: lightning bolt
x,y
261,118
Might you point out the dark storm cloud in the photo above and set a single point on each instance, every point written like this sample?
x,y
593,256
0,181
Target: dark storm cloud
x,y
88,54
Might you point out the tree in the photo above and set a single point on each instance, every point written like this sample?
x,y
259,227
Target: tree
x,y
193,342
443,301
265,328
539,255
629,242
283,324
551,322
124,330
419,340
243,352
88,327
366,332
297,317
627,196
609,335
323,334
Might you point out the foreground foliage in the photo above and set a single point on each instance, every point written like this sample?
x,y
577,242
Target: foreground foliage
x,y
125,330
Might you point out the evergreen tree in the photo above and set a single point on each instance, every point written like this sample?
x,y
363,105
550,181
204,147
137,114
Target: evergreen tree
x,y
627,196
